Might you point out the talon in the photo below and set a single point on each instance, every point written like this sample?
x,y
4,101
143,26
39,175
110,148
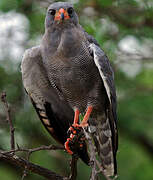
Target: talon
x,y
71,128
67,146
71,136
82,125
76,125
81,145
75,129
74,132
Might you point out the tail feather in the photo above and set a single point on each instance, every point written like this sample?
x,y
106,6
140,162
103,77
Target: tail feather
x,y
103,141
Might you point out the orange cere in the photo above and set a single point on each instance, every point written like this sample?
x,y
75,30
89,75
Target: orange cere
x,y
58,14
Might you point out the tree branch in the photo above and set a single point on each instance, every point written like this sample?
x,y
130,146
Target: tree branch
x,y
9,119
29,151
20,162
73,167
9,156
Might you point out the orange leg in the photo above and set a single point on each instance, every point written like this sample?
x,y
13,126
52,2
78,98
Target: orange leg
x,y
84,122
75,123
76,120
76,117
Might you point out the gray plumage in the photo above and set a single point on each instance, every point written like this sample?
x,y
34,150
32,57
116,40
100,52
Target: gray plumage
x,y
70,70
42,94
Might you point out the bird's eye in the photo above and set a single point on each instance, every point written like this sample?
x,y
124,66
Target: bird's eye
x,y
70,10
52,12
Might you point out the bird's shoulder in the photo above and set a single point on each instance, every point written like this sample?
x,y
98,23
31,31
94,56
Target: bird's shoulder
x,y
98,53
33,72
30,56
32,64
89,37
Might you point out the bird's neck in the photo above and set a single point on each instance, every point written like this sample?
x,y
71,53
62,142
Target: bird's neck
x,y
66,41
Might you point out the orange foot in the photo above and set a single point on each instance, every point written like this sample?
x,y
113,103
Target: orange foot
x,y
67,146
75,141
76,128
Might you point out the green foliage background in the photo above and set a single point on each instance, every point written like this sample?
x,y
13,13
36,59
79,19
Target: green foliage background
x,y
109,21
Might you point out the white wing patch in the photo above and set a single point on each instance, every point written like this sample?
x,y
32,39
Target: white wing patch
x,y
96,60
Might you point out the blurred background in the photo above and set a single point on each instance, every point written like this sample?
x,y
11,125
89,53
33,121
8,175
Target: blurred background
x,y
124,29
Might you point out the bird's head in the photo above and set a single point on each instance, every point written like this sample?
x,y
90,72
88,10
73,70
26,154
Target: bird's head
x,y
60,13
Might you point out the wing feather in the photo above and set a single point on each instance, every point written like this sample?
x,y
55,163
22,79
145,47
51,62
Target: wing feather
x,y
107,76
55,114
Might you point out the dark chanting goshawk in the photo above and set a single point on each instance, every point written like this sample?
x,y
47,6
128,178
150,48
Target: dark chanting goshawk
x,y
68,74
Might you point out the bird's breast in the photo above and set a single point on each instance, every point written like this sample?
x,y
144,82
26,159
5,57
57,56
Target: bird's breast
x,y
70,43
72,71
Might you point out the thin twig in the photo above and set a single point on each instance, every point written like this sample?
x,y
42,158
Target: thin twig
x,y
50,147
9,120
24,173
73,166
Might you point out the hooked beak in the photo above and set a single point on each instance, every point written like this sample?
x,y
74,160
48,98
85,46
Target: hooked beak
x,y
61,15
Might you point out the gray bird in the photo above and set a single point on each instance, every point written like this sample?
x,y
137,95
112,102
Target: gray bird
x,y
68,75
